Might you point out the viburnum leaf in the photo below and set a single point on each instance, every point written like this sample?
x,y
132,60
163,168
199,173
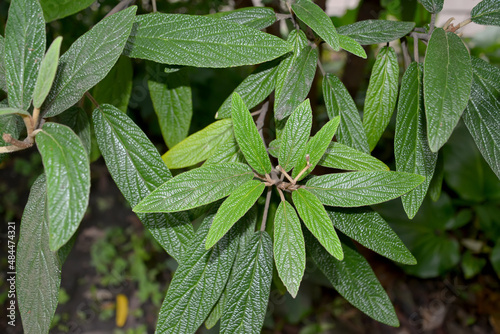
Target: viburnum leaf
x,y
350,45
433,6
57,9
253,17
47,73
341,156
486,12
116,87
227,152
376,31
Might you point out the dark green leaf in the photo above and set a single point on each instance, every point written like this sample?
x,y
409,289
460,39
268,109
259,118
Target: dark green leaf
x,y
47,73
486,12
340,156
433,6
116,87
437,180
3,85
376,31
76,118
350,45
471,265
254,17
228,152
57,9
495,258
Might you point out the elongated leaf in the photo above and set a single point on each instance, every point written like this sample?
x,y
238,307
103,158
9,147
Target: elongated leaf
x,y
433,6
116,87
486,12
447,85
316,147
289,247
253,17
3,85
313,16
38,268
88,61
248,137
57,9
249,287
339,103
47,73
411,148
137,169
361,188
24,49
195,188
376,31
253,89
481,114
13,111
316,219
381,95
201,41
354,280
349,44
340,156
233,208
76,118
228,152
198,282
295,136
67,169
371,230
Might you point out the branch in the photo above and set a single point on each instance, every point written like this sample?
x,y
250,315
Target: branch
x,y
406,52
91,98
266,209
121,5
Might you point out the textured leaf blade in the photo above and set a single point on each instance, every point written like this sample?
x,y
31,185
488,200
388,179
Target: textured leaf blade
x,y
361,188
116,87
76,119
228,152
486,12
88,61
376,31
3,85
349,44
13,111
67,169
253,17
11,124
316,219
57,9
381,95
433,6
447,85
344,157
137,169
47,73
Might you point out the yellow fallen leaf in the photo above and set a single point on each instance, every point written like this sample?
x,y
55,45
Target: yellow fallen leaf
x,y
121,310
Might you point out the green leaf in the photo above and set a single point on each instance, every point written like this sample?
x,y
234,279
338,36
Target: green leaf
x,y
350,45
38,268
253,17
137,169
200,41
314,17
47,73
471,265
195,188
481,114
436,184
371,230
233,208
295,136
88,61
76,118
57,9
274,147
340,156
24,50
67,169
447,85
339,103
486,12
381,95
253,89
249,287
355,281
200,145
11,124
227,152
289,247
13,111
248,137
173,106
3,85
376,31
316,147
295,76
316,219
433,6
116,87
361,188
198,282
411,148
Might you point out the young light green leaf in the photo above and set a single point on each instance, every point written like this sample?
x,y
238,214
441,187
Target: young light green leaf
x,y
289,247
198,282
3,85
481,114
295,136
200,145
316,147
362,188
233,208
116,87
371,230
339,103
314,17
249,287
173,105
316,219
47,73
67,169
486,12
24,49
201,41
253,17
227,152
248,137
137,169
381,95
76,119
376,31
344,157
13,111
411,148
88,61
354,280
349,44
433,6
447,85
57,9
195,188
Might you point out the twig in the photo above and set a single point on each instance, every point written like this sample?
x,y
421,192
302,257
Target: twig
x,y
282,196
13,141
433,22
415,50
260,121
447,23
303,170
266,209
154,6
284,173
321,69
406,52
91,98
121,5
280,16
36,115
